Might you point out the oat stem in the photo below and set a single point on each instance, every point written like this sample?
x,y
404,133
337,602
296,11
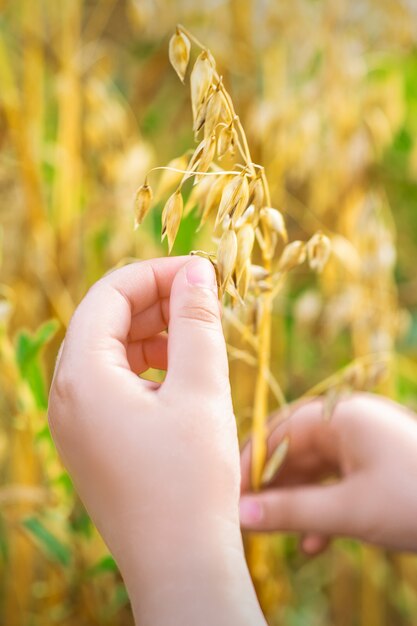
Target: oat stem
x,y
266,187
186,32
260,408
195,172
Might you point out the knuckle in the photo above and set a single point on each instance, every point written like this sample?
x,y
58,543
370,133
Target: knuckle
x,y
281,511
202,310
286,514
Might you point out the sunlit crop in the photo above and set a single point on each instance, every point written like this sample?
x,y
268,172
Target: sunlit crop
x,y
288,158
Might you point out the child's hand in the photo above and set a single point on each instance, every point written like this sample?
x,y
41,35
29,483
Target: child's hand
x,y
370,445
157,466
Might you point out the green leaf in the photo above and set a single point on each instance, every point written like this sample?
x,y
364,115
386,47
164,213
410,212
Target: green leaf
x,y
31,344
28,356
44,434
80,520
104,565
65,482
119,600
4,546
52,546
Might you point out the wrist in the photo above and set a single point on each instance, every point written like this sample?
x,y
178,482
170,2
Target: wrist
x,y
199,578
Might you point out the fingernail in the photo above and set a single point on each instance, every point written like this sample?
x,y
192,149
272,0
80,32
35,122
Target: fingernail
x,y
250,511
200,273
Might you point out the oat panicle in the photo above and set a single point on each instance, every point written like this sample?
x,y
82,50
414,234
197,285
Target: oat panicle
x,y
238,201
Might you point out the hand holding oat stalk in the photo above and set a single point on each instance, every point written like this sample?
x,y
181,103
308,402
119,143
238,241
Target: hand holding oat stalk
x,y
246,225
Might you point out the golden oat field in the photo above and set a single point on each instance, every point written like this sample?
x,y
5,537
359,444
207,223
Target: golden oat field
x,y
292,166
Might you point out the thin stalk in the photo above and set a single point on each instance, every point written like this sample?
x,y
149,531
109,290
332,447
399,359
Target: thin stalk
x,y
260,408
194,172
186,32
266,187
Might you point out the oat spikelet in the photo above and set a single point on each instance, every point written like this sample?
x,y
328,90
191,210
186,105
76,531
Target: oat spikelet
x,y
234,199
241,203
274,221
294,254
143,201
214,111
258,272
226,141
229,197
244,280
179,53
171,218
318,251
275,462
201,115
247,217
245,241
256,193
226,256
196,157
201,79
214,197
207,153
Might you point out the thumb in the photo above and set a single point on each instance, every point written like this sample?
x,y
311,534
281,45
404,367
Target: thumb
x,y
318,510
197,355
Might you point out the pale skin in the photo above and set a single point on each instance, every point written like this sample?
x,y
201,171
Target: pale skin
x,y
354,476
157,466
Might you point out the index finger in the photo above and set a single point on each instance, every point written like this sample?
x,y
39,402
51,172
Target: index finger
x,y
101,323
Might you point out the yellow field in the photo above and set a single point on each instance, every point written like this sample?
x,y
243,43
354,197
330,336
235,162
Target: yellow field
x,y
327,94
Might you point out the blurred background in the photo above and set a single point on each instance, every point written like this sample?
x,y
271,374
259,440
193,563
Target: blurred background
x,y
327,92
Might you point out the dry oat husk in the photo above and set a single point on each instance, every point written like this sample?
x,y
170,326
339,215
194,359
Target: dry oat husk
x,y
318,251
179,53
171,218
143,201
226,256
